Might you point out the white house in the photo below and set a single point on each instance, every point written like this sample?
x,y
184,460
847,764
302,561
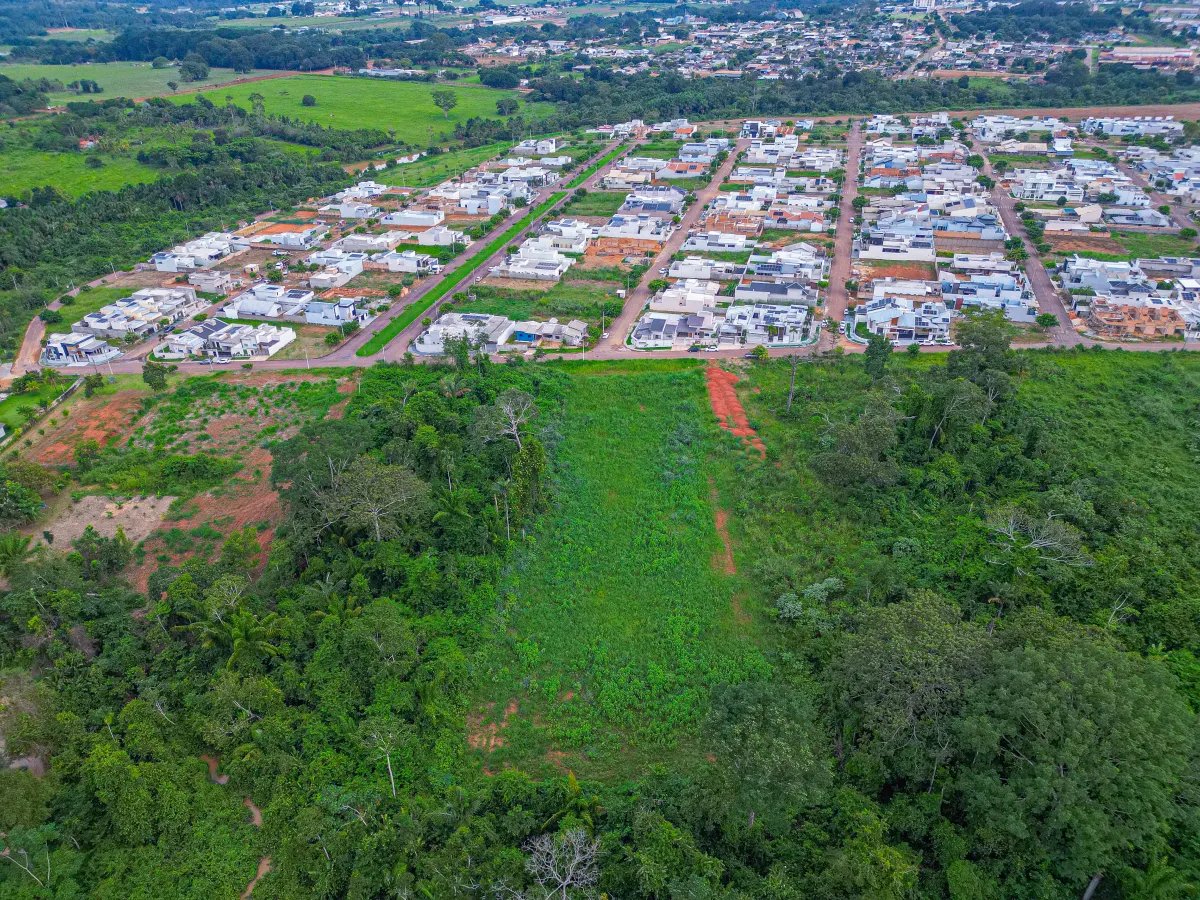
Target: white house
x,y
414,218
481,329
409,261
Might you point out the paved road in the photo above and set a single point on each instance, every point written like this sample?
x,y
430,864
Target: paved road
x,y
1179,214
346,353
837,297
1044,290
640,295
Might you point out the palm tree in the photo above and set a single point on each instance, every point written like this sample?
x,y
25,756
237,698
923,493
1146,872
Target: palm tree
x,y
14,550
452,512
243,633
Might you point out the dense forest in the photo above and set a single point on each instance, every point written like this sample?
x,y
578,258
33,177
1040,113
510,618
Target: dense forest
x,y
975,574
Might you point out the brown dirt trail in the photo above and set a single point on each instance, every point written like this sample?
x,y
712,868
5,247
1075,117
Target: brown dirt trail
x,y
728,407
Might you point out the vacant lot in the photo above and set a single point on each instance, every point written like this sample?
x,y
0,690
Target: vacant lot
x,y
21,170
436,169
119,79
584,300
345,102
623,615
597,203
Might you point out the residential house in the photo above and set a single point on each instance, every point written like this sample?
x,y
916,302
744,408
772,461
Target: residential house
x,y
904,320
142,313
228,340
768,324
409,261
220,283
775,292
414,218
487,332
76,349
704,269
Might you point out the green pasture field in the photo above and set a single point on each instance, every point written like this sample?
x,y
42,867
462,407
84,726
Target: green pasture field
x,y
79,35
10,407
347,102
21,170
1150,245
433,170
119,79
620,616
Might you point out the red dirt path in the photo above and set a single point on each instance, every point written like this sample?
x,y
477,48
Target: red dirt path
x,y
727,406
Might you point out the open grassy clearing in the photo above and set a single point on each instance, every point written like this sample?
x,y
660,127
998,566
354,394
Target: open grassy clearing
x,y
119,79
10,407
433,170
347,102
77,35
584,300
621,617
1150,245
22,170
596,203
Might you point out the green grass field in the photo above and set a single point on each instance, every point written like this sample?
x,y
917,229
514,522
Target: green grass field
x,y
79,35
620,617
10,407
21,170
345,102
1150,245
118,79
435,169
596,203
584,300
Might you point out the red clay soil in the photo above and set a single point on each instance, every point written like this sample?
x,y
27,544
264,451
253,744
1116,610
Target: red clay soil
x,y
99,419
247,504
487,736
212,762
728,407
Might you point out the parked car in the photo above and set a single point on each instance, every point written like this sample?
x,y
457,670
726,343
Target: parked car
x,y
841,328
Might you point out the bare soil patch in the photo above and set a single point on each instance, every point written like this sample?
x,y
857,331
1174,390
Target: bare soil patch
x,y
919,271
138,517
99,419
1089,244
484,735
728,408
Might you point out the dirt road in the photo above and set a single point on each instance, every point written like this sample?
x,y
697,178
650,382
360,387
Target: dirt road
x,y
1044,290
837,297
640,295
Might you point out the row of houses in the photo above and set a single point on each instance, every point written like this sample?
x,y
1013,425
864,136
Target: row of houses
x,y
908,311
1143,299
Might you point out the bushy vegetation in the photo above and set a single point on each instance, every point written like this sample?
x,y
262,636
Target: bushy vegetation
x,y
957,659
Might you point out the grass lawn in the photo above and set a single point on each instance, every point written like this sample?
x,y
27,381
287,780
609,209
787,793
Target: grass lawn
x,y
620,620
347,102
1020,161
309,338
596,203
78,35
566,300
86,302
10,408
22,170
1151,245
118,79
435,169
